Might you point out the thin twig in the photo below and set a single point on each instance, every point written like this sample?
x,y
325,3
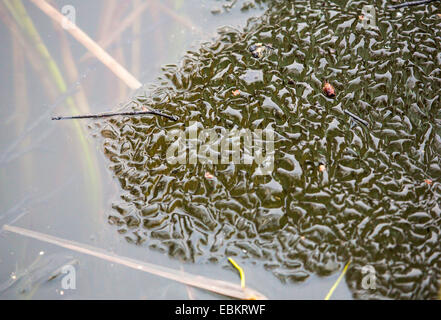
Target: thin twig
x,y
216,286
412,3
355,117
91,45
111,114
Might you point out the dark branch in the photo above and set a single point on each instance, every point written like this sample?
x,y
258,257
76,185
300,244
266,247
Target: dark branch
x,y
412,3
111,114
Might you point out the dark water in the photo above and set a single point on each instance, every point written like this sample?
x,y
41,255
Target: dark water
x,y
374,203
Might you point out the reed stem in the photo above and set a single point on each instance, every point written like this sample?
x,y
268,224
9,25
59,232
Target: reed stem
x,y
216,286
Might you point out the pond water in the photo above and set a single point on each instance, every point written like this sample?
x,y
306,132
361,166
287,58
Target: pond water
x,y
339,190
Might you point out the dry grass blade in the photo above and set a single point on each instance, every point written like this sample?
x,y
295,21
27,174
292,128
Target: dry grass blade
x,y
216,286
91,45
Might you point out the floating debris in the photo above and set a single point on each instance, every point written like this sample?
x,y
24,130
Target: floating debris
x,y
208,175
428,181
329,90
258,49
322,168
236,92
247,6
216,11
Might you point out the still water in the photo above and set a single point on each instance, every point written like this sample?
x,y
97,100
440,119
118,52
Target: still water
x,y
340,190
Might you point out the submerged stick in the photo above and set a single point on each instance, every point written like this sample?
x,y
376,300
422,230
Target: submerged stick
x,y
71,69
91,45
181,19
412,3
111,114
122,26
136,42
216,286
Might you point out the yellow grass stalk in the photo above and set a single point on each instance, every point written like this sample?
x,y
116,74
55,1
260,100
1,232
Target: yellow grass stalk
x,y
216,286
91,45
331,291
241,273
